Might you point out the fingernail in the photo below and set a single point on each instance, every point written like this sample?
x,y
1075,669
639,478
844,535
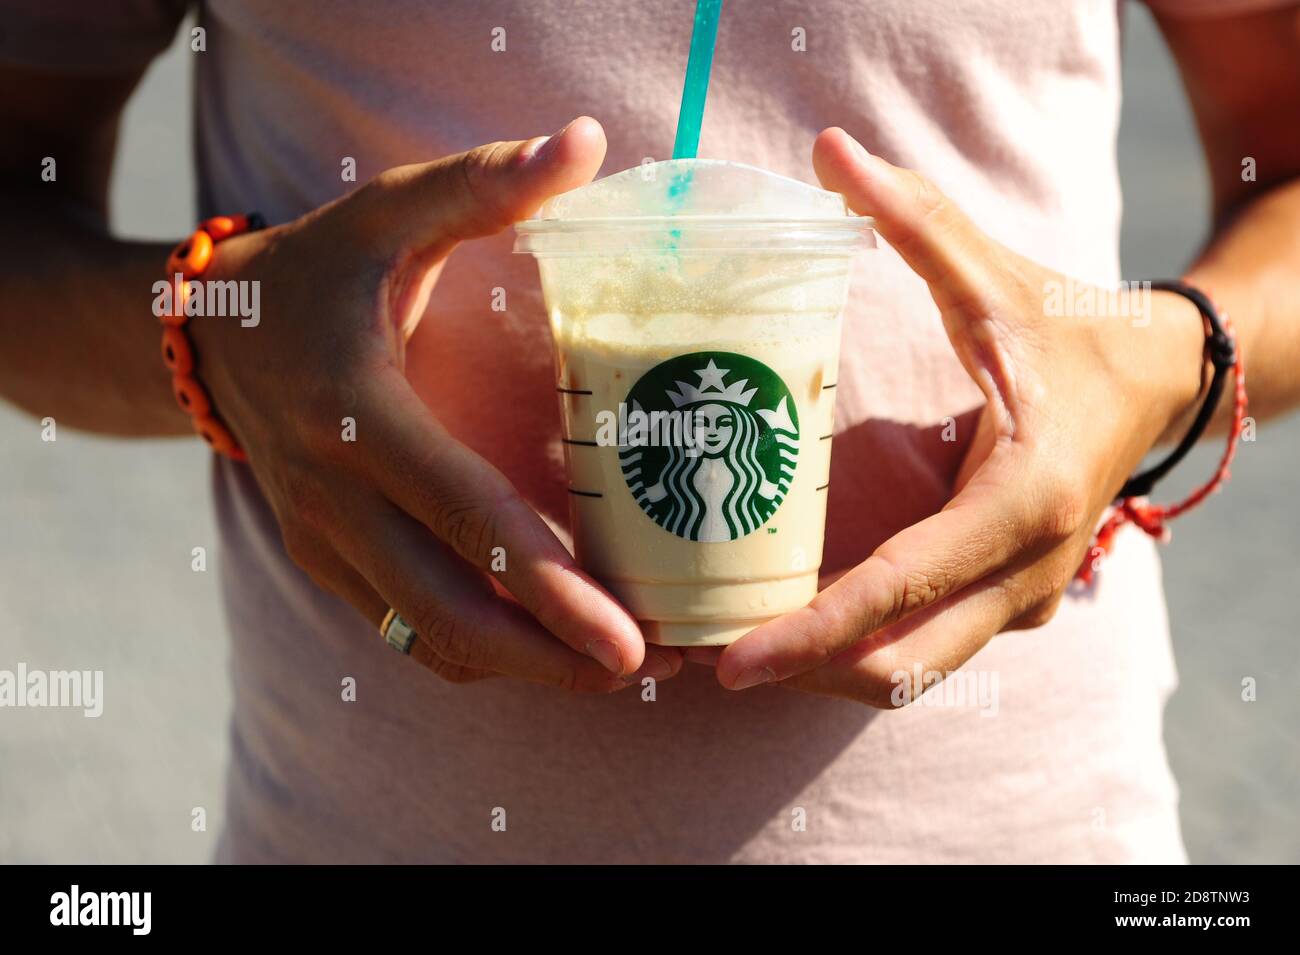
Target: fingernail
x,y
606,654
535,149
545,147
859,150
657,667
753,677
708,656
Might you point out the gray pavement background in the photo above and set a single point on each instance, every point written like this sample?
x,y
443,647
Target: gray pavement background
x,y
96,538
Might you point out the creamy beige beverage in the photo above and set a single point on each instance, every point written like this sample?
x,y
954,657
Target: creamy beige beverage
x,y
696,359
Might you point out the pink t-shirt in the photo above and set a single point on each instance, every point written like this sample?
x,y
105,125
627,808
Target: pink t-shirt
x,y
1010,106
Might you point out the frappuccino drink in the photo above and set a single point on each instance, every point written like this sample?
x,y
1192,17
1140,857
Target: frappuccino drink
x,y
695,306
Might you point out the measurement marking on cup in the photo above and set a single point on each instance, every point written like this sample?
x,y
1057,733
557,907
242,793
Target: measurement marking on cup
x,y
585,444
823,487
571,391
574,490
826,437
827,387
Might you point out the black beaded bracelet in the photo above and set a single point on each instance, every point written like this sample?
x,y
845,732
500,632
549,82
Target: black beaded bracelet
x,y
1221,350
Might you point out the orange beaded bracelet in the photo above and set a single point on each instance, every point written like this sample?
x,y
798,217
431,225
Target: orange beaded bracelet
x,y
188,261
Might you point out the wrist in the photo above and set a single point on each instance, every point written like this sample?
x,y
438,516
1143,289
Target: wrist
x,y
190,279
1176,356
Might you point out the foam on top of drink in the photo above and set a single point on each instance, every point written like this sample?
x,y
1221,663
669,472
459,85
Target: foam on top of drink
x,y
695,187
697,237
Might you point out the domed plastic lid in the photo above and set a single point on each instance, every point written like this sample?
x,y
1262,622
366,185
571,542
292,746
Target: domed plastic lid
x,y
690,205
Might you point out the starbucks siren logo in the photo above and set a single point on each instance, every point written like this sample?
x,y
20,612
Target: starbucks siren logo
x,y
730,467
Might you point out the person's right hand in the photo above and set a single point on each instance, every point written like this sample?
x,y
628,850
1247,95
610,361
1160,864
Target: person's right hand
x,y
405,516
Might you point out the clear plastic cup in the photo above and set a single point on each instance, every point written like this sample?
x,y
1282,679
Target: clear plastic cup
x,y
696,356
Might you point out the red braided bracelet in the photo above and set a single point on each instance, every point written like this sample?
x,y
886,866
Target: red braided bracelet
x,y
188,261
1152,518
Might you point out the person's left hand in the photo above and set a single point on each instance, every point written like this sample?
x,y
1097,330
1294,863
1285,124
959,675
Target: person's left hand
x,y
1073,405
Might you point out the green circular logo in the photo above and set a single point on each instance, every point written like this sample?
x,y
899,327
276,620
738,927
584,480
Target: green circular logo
x,y
710,446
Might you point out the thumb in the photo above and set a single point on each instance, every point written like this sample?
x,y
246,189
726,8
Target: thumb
x,y
480,192
933,236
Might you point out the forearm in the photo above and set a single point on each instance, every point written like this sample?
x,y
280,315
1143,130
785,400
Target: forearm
x,y
1252,270
81,340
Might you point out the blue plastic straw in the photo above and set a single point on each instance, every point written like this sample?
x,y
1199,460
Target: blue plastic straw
x,y
696,86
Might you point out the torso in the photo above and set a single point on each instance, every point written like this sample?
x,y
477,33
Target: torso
x,y
1012,108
